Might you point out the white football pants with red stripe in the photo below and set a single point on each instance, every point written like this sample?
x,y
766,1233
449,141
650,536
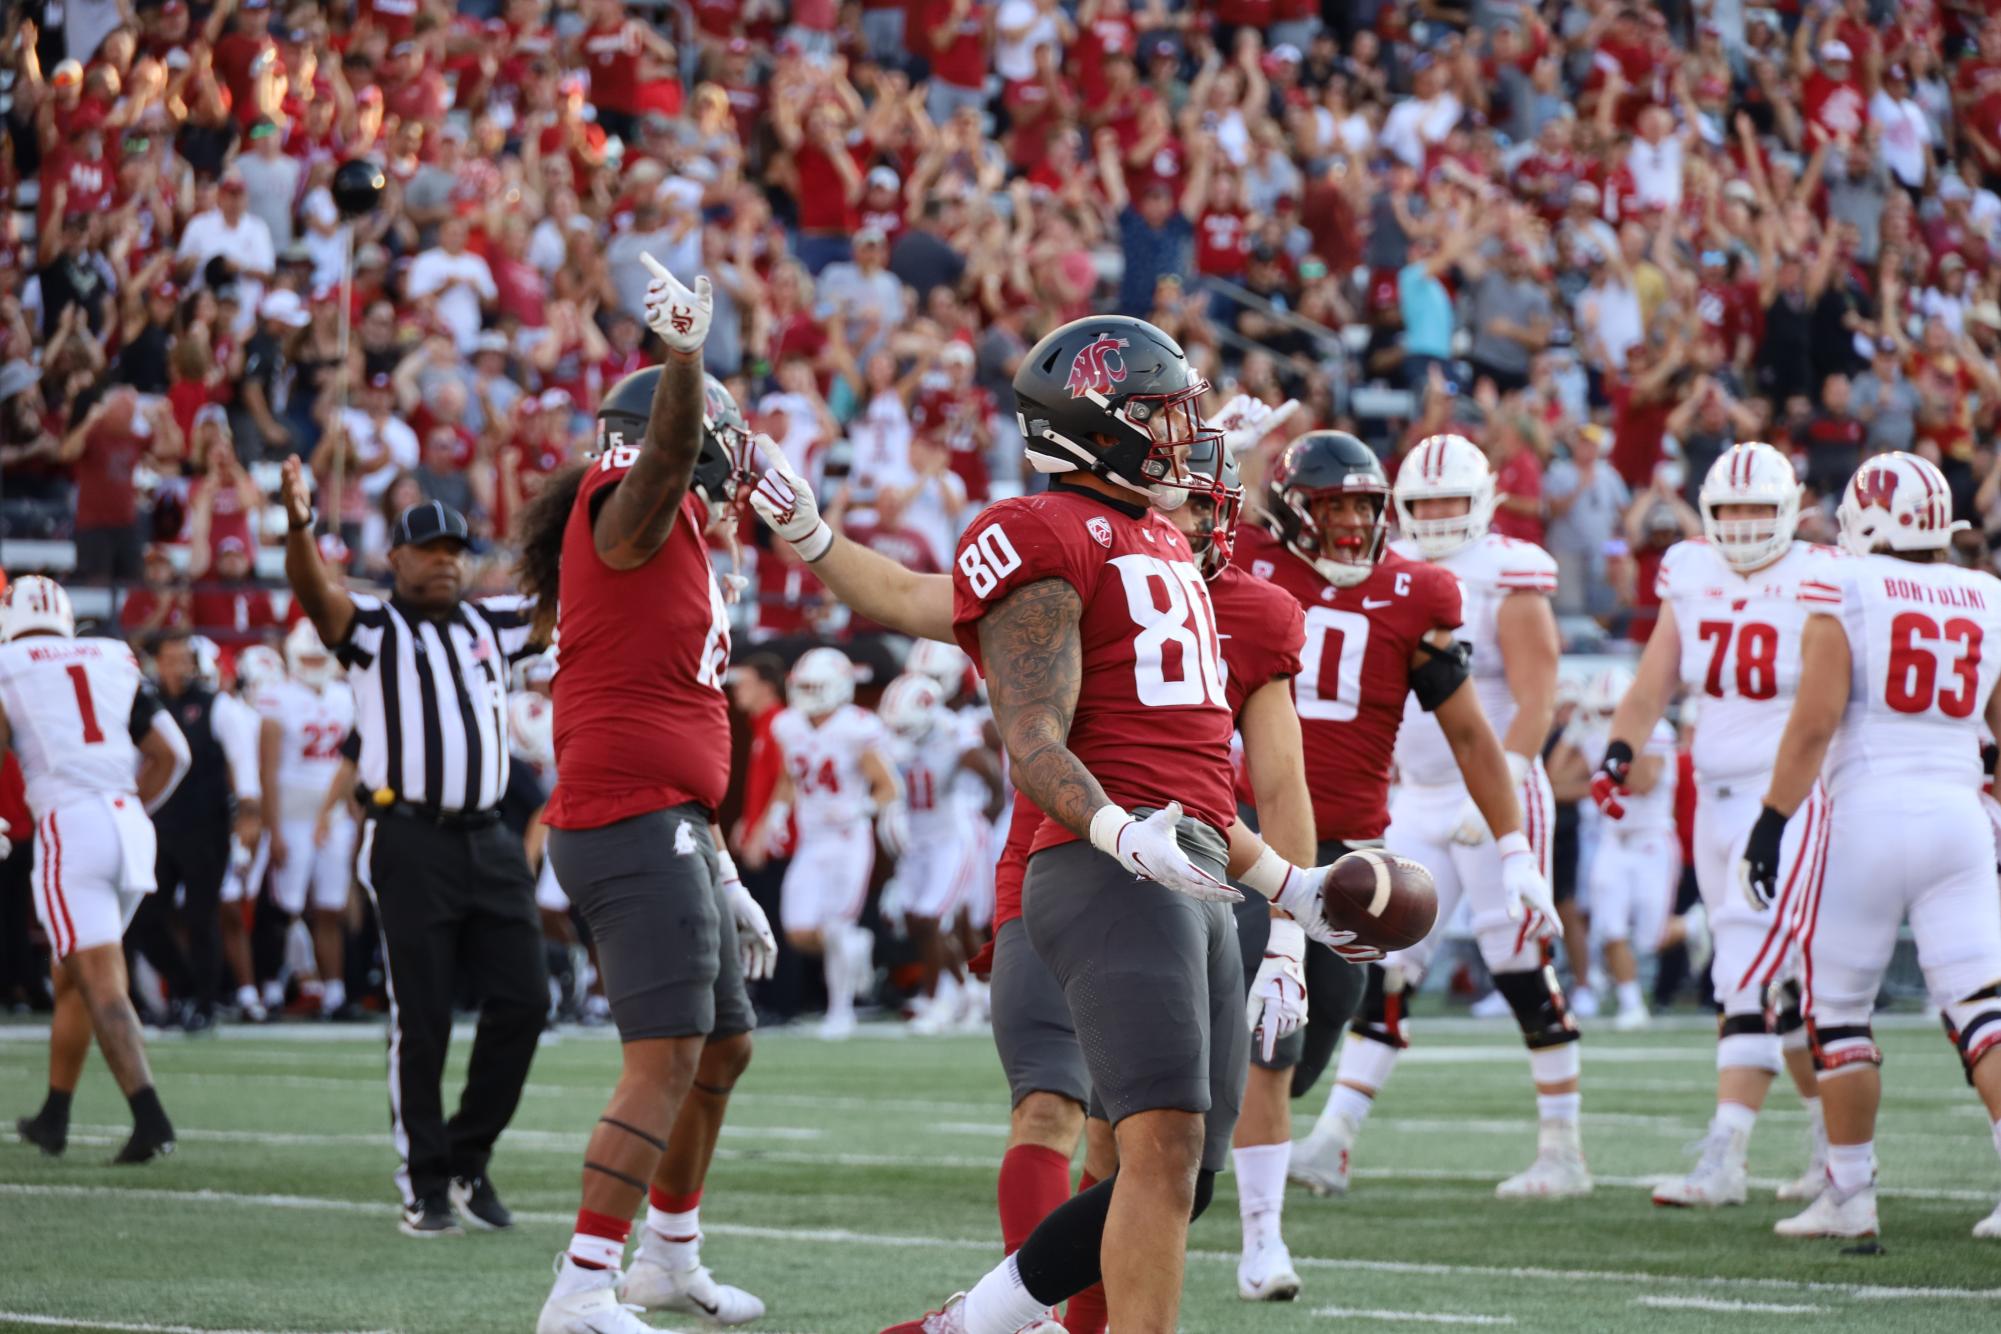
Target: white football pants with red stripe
x,y
1753,947
93,864
1901,849
1422,820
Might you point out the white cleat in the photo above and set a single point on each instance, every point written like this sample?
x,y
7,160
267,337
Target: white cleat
x,y
1584,1002
837,1027
1809,1184
1633,1020
1266,1273
1558,1172
652,1286
1717,1179
1320,1161
1989,1228
1829,1217
585,1301
1493,1005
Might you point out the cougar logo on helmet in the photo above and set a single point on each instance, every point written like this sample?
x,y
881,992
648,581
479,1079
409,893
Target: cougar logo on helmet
x,y
1876,488
1097,367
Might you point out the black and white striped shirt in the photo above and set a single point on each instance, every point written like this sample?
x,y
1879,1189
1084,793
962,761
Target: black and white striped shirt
x,y
431,699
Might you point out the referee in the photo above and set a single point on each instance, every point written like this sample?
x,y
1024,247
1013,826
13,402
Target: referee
x,y
451,886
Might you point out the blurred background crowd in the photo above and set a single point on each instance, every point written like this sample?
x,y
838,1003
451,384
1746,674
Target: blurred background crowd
x,y
1603,240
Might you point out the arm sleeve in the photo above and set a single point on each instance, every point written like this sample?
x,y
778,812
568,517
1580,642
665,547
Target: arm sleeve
x,y
145,703
163,723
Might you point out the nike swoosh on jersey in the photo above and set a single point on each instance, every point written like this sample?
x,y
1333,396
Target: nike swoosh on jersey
x,y
1372,604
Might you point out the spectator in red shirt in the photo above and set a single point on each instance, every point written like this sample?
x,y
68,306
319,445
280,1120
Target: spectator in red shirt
x,y
828,181
1835,103
159,603
611,49
952,36
757,689
243,54
1642,397
1517,480
224,504
227,606
107,445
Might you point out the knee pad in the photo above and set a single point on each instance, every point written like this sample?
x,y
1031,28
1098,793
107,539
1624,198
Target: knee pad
x,y
1974,1025
1842,1048
1789,1022
1205,1191
1747,1042
1380,1017
1539,1007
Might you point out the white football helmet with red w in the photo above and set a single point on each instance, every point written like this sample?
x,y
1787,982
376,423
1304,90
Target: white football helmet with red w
x,y
1897,502
1752,473
1445,467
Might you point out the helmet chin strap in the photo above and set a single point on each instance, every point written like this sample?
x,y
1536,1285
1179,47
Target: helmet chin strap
x,y
1341,573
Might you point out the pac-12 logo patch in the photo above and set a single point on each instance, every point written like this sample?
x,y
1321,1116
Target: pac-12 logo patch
x,y
1100,528
1097,366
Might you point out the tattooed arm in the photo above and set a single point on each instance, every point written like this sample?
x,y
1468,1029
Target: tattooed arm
x,y
638,514
1033,647
1032,644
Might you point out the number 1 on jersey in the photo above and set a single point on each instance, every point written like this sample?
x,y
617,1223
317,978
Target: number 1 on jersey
x,y
80,681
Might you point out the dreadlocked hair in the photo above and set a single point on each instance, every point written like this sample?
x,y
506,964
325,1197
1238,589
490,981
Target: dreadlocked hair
x,y
538,536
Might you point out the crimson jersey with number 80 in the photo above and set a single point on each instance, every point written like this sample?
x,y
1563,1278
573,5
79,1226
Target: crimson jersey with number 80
x,y
1924,642
641,722
1152,722
1354,673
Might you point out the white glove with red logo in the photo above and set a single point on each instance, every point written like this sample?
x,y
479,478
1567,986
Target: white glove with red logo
x,y
1149,849
1528,893
1277,1004
1245,420
892,827
679,316
784,501
757,948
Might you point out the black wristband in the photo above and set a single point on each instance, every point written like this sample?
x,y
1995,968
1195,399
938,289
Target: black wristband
x,y
1618,760
312,517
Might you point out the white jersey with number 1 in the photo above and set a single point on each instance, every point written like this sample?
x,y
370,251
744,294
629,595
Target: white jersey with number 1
x,y
71,706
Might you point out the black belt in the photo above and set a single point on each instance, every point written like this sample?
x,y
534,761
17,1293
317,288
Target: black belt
x,y
441,818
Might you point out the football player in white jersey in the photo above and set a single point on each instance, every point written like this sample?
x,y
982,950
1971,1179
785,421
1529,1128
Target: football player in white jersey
x,y
1733,608
1635,863
985,828
835,777
946,793
1444,497
311,864
1898,672
97,754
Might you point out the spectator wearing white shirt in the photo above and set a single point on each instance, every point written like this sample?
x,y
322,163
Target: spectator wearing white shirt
x,y
460,280
1020,27
1424,118
230,232
1655,160
863,294
383,444
1904,132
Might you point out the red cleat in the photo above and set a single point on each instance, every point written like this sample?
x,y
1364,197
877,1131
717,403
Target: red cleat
x,y
950,1320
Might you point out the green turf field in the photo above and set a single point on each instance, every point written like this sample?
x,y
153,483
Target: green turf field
x,y
855,1187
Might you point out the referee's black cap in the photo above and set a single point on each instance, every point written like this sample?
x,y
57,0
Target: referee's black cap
x,y
427,523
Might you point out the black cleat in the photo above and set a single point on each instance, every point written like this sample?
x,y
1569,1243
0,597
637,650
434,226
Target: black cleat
x,y
432,1217
480,1203
144,1148
51,1140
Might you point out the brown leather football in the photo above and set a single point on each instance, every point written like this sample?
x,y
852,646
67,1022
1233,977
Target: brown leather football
x,y
1386,900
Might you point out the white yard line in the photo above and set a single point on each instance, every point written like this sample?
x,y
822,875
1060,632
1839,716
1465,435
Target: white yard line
x,y
1411,1317
67,1322
984,1246
1717,1304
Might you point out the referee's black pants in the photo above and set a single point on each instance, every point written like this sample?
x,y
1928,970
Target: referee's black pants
x,y
454,902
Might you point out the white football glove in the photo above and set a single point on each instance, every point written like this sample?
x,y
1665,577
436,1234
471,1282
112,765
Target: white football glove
x,y
1149,849
1528,893
770,834
892,827
1245,420
756,947
1278,993
1471,830
784,501
6,843
679,316
1297,892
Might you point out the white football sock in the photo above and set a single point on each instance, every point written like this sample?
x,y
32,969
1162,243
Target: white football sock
x,y
1261,1189
1629,996
1563,1107
600,1251
246,997
336,996
1850,1167
1734,1116
1346,1104
672,1240
1997,1137
834,968
999,1304
1816,1119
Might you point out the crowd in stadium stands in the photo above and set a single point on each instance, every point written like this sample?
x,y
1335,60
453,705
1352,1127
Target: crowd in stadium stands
x,y
1604,240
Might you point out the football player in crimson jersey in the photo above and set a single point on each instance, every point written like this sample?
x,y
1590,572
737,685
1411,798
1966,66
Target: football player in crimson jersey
x,y
1896,682
1032,1018
1734,605
1379,630
613,550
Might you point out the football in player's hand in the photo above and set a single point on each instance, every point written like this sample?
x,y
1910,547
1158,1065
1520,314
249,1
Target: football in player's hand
x,y
1386,900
